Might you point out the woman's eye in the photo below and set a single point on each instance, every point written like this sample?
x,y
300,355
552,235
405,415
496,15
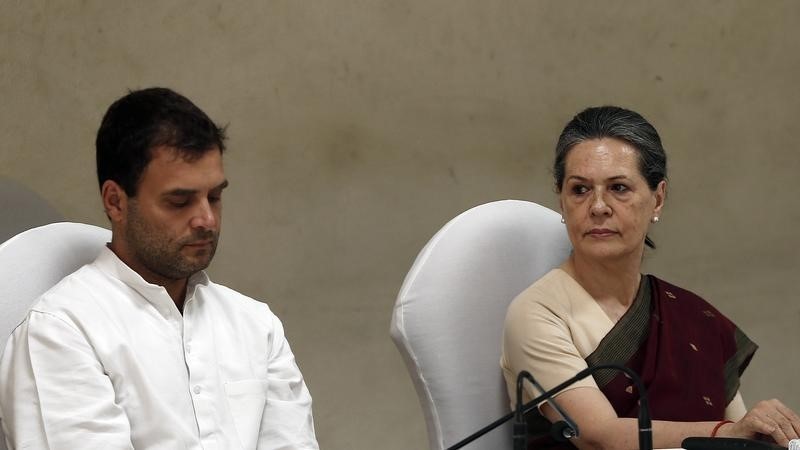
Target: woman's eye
x,y
619,188
579,189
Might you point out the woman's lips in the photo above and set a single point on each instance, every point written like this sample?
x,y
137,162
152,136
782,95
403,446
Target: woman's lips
x,y
601,232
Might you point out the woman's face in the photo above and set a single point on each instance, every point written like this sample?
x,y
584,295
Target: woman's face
x,y
606,202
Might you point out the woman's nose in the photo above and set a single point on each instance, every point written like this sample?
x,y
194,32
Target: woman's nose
x,y
599,205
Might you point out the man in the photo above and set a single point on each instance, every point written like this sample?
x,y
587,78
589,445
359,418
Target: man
x,y
140,349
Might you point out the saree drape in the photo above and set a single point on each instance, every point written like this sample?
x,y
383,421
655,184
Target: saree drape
x,y
688,354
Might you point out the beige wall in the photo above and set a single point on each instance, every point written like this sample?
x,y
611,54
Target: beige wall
x,y
359,127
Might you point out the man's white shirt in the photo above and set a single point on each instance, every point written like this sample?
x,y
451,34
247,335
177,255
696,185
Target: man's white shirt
x,y
104,360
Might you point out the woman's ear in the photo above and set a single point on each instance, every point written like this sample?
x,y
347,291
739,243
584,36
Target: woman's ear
x,y
661,196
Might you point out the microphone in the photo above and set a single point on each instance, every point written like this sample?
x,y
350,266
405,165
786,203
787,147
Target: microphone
x,y
644,423
721,443
561,431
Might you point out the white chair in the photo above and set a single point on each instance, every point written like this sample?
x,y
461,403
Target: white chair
x,y
448,317
34,261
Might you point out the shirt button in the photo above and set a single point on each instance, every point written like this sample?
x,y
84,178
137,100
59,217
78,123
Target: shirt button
x,y
197,389
188,348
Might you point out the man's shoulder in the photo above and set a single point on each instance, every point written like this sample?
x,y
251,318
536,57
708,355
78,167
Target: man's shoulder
x,y
72,300
72,291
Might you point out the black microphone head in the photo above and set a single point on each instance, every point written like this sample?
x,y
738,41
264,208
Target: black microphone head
x,y
561,431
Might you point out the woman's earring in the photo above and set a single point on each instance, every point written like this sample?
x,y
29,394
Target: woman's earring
x,y
562,220
654,219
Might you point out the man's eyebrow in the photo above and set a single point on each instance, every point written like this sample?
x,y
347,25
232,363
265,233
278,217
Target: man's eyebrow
x,y
178,192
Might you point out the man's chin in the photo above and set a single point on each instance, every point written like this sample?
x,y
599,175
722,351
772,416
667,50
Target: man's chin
x,y
198,264
192,259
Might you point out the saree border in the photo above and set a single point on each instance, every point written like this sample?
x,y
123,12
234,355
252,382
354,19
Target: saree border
x,y
736,364
626,337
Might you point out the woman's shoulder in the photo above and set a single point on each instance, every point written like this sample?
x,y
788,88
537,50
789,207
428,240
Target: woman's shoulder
x,y
679,296
552,282
554,291
671,290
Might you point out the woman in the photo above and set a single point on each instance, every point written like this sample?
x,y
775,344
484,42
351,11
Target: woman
x,y
610,174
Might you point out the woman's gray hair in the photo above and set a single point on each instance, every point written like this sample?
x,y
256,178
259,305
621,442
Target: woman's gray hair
x,y
617,123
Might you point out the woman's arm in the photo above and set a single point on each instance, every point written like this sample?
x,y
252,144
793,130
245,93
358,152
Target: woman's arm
x,y
768,417
735,409
601,429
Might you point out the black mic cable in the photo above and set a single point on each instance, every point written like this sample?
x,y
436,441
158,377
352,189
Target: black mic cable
x,y
645,426
519,429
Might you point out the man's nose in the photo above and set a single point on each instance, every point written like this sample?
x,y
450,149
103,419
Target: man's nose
x,y
205,216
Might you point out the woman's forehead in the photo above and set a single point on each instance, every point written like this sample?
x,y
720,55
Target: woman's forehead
x,y
603,158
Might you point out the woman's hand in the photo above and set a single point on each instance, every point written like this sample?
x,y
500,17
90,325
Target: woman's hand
x,y
769,418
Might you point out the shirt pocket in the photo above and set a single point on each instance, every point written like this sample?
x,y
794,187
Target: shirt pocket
x,y
246,400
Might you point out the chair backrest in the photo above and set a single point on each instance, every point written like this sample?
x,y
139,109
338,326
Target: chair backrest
x,y
448,317
34,261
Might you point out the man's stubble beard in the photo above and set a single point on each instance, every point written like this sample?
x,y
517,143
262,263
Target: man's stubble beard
x,y
153,249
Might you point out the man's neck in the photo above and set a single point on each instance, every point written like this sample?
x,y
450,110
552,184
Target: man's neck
x,y
176,288
177,291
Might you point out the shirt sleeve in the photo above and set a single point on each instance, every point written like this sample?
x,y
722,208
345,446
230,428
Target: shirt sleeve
x,y
54,392
536,339
287,422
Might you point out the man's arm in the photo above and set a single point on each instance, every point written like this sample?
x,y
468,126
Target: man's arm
x,y
287,422
54,392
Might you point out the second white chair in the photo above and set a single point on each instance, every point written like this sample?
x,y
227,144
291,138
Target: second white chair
x,y
448,317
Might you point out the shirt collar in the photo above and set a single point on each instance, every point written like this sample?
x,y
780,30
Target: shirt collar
x,y
108,262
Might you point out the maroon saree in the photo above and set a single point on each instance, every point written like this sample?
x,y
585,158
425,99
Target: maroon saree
x,y
689,356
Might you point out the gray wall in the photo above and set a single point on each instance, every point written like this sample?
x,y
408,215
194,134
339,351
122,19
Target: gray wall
x,y
359,127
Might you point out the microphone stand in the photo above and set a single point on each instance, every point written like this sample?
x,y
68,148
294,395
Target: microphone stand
x,y
645,425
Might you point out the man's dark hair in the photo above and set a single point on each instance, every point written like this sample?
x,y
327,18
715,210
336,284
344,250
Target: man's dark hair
x,y
143,120
617,123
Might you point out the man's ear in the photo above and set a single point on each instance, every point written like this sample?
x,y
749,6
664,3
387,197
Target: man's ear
x,y
115,201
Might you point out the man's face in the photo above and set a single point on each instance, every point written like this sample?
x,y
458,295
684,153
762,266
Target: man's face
x,y
172,225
